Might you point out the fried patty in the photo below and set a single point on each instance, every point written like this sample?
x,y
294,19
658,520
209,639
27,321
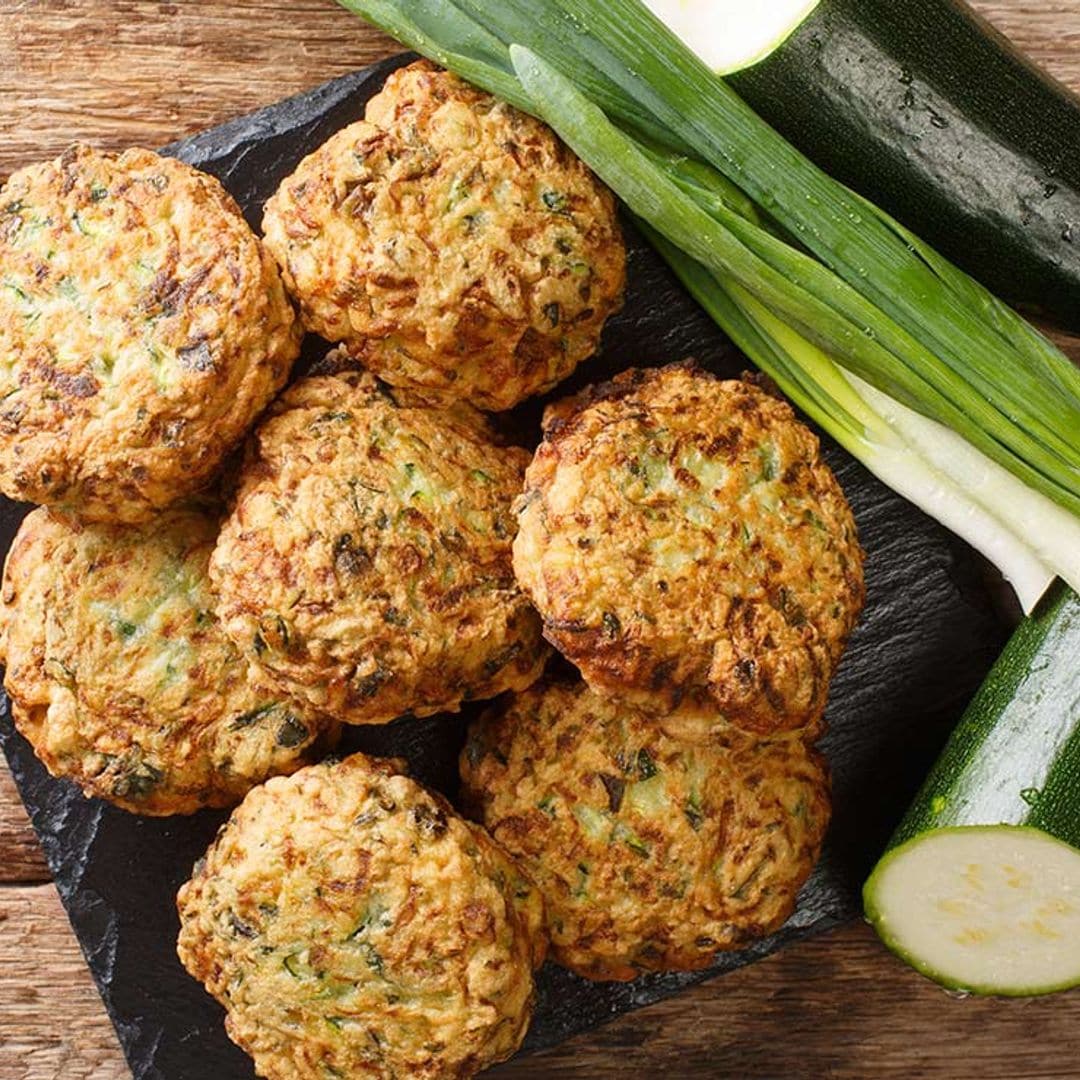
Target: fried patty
x,y
366,565
651,853
120,676
685,544
143,328
354,926
452,242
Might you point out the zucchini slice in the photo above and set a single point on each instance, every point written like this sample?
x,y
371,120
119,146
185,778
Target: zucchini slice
x,y
980,887
982,909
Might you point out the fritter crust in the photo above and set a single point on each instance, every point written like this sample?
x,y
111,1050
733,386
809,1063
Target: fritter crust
x,y
367,562
353,925
685,544
651,853
144,329
452,242
120,678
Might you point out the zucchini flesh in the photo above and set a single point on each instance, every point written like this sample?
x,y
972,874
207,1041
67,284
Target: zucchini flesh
x,y
991,910
930,113
731,34
980,888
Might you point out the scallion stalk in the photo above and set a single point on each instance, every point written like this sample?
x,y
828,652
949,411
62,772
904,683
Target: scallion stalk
x,y
825,310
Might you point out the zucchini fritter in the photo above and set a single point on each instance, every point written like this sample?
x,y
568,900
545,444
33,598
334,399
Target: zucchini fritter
x,y
366,565
685,544
451,242
120,677
651,853
143,328
353,925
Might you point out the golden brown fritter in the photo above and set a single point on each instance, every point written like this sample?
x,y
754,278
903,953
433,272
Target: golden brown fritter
x,y
120,677
651,853
685,543
143,327
367,562
452,242
354,926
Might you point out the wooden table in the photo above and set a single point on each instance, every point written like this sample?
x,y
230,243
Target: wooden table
x,y
837,1006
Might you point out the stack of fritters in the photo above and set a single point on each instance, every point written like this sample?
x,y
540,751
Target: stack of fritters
x,y
692,555
179,625
119,674
144,328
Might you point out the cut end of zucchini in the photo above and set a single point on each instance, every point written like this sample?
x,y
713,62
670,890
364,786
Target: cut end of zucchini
x,y
982,909
729,35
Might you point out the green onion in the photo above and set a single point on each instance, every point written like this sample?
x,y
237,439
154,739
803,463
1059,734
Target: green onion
x,y
789,284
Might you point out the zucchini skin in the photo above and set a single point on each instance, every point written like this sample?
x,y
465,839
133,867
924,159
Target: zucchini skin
x,y
930,113
1014,758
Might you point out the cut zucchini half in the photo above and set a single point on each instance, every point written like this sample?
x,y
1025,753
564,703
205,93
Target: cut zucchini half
x,y
980,886
729,35
984,909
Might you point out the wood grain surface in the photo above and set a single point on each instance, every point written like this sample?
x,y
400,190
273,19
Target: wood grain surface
x,y
134,71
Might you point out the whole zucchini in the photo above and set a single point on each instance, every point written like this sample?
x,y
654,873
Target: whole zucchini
x,y
930,113
980,887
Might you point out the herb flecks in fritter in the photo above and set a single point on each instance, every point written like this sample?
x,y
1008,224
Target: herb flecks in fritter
x,y
451,242
142,329
366,564
652,853
686,545
120,676
353,925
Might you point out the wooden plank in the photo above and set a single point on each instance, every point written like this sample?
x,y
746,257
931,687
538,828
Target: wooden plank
x,y
148,72
1048,32
21,860
145,72
52,1023
835,1006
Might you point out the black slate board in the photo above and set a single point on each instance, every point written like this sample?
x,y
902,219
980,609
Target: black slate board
x,y
929,634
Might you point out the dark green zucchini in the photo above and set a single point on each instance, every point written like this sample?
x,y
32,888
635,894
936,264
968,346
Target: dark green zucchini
x,y
930,113
980,887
